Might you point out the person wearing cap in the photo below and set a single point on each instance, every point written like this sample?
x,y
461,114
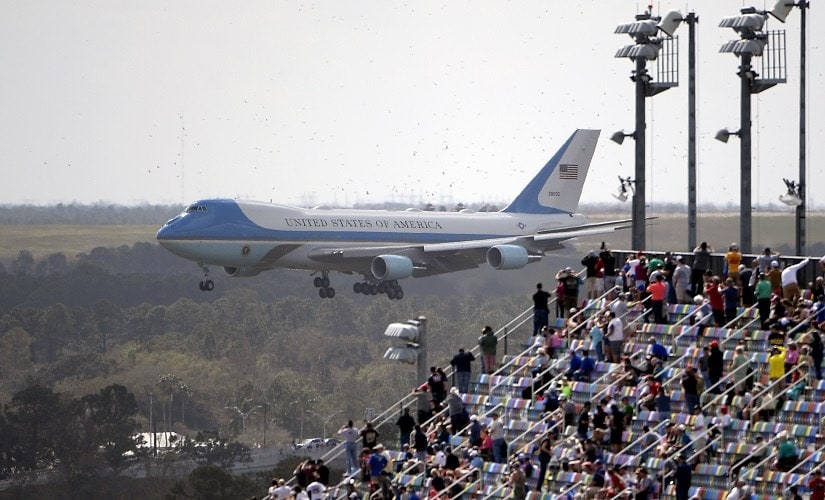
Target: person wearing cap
x,y
790,287
571,284
776,367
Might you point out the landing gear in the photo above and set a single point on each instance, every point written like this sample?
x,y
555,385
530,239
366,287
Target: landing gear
x,y
391,288
322,284
206,285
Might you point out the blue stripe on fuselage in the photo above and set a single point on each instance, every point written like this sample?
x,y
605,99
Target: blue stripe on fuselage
x,y
224,220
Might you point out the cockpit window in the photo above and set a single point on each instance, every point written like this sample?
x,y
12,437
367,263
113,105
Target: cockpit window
x,y
195,208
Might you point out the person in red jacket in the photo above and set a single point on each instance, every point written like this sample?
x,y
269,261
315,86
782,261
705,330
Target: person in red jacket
x,y
717,304
817,486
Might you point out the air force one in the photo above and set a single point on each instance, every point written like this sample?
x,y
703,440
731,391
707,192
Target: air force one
x,y
246,238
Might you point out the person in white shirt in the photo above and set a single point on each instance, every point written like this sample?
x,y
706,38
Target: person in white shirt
x,y
316,490
681,281
615,336
790,288
279,492
738,492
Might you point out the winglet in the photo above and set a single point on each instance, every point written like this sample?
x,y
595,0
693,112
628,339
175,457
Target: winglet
x,y
558,186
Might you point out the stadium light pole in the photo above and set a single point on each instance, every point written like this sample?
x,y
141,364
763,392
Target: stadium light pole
x,y
646,47
752,43
780,11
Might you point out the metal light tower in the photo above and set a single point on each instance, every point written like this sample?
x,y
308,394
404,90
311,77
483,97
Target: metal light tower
x,y
646,48
781,11
692,20
752,43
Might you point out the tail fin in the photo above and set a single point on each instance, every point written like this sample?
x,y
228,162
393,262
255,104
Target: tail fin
x,y
558,186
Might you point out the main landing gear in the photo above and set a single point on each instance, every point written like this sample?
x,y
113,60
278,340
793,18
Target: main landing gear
x,y
206,285
391,288
322,284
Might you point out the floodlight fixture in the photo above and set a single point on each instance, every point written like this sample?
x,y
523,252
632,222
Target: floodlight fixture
x,y
724,134
781,9
618,137
791,196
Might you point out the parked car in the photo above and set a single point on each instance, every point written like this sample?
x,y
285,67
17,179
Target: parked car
x,y
331,442
309,444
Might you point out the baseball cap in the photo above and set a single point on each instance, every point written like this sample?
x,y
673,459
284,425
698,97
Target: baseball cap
x,y
774,263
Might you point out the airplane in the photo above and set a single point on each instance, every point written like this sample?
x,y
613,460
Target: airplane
x,y
246,238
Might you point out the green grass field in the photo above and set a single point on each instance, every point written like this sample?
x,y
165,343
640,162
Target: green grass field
x,y
43,240
668,232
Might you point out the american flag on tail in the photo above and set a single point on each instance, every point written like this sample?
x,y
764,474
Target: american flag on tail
x,y
568,172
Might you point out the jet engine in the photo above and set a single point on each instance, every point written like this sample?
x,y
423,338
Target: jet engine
x,y
507,257
391,267
241,272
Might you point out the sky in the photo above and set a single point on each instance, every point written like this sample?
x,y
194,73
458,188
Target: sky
x,y
355,102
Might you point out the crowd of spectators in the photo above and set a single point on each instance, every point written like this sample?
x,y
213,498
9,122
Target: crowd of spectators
x,y
451,446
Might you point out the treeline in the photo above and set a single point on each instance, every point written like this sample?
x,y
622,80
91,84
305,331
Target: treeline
x,y
227,361
73,213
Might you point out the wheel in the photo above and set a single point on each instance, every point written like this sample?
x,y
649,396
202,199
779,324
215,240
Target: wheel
x,y
399,294
209,285
322,292
325,282
202,286
373,289
317,282
391,294
356,287
382,287
330,293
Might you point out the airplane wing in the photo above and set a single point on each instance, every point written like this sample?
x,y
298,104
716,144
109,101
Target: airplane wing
x,y
436,258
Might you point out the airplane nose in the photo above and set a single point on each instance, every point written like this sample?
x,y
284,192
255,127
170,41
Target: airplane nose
x,y
164,233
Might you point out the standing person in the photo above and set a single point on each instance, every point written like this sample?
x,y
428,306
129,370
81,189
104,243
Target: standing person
x,y
730,297
658,294
765,260
591,262
437,384
487,345
717,305
609,264
496,431
681,281
716,366
615,337
369,436
684,477
732,259
701,263
790,287
571,287
817,352
763,300
597,337
350,435
405,424
462,364
748,280
541,312
545,453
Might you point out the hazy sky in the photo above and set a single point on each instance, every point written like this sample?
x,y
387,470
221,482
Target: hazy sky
x,y
346,102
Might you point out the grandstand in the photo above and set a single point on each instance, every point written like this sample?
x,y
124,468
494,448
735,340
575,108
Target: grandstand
x,y
748,418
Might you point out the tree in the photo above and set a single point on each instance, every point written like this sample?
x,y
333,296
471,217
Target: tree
x,y
113,411
15,350
23,265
